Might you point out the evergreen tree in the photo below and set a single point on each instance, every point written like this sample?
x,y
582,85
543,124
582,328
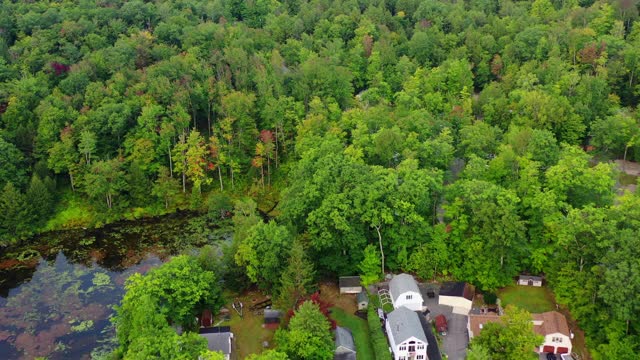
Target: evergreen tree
x,y
297,278
39,200
14,214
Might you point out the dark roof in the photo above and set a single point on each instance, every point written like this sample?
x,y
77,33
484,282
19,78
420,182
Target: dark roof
x,y
402,283
344,340
404,324
460,289
215,329
362,297
433,353
219,342
272,314
529,277
344,356
349,281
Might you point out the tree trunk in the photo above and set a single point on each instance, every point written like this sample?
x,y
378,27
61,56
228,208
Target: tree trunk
x,y
381,250
220,178
166,203
276,146
209,119
170,162
262,175
581,263
627,326
73,188
184,181
624,159
233,185
269,171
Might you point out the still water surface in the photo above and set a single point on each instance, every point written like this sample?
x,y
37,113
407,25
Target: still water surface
x,y
57,294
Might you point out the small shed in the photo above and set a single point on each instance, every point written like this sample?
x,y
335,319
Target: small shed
x,y
206,320
528,280
272,319
441,324
363,300
350,285
345,346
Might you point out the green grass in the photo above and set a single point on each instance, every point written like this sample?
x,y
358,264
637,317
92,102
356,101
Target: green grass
x,y
359,329
71,212
531,298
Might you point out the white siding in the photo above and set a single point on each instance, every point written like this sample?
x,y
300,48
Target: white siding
x,y
414,303
397,353
460,305
351,290
526,282
564,341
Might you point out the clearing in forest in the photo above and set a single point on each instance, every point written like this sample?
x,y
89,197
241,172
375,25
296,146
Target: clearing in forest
x,y
531,298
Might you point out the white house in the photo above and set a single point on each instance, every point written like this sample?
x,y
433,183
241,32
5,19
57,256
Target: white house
x,y
527,280
404,291
406,335
553,326
458,295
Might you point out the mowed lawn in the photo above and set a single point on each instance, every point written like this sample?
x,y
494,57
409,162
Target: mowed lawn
x,y
359,329
531,298
247,330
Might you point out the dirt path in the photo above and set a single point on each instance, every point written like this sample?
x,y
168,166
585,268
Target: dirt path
x,y
629,167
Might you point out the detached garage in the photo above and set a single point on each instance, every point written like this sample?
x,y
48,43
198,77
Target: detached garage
x,y
458,295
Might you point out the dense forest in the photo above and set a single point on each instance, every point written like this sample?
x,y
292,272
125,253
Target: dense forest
x,y
462,139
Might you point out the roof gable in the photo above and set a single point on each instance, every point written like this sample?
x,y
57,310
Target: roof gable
x,y
401,284
405,324
219,342
344,339
552,322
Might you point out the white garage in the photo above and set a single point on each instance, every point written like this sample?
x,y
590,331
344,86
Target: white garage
x,y
458,295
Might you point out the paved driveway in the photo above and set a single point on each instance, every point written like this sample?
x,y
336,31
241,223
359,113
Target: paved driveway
x,y
455,343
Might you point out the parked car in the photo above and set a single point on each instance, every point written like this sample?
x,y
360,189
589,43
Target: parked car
x,y
551,356
441,324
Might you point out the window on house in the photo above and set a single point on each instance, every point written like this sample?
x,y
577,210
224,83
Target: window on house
x,y
420,347
419,357
409,297
402,358
403,348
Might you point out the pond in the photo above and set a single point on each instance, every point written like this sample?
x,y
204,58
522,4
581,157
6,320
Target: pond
x,y
57,294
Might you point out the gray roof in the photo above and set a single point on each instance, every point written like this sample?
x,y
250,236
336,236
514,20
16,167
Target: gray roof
x,y
344,339
219,342
349,281
272,314
433,353
401,284
344,356
362,297
404,324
